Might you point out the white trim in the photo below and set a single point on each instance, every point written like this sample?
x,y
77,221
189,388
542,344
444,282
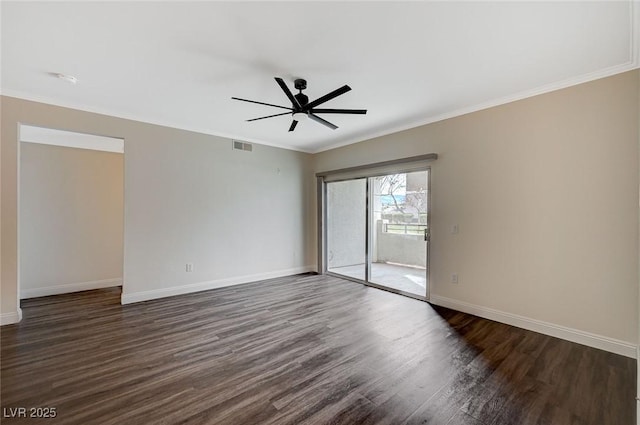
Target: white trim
x,y
596,75
638,387
607,72
633,62
70,139
11,318
141,118
134,297
70,287
634,12
612,345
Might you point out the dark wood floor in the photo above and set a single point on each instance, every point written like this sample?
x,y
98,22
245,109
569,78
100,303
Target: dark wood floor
x,y
299,350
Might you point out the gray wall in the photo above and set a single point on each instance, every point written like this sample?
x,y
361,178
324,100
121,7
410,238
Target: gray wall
x,y
188,198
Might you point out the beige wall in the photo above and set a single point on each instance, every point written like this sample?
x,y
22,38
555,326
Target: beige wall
x,y
545,193
71,219
188,198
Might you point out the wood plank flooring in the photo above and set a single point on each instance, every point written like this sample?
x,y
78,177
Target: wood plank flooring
x,y
299,350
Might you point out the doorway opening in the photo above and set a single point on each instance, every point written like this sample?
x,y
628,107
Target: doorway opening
x,y
70,212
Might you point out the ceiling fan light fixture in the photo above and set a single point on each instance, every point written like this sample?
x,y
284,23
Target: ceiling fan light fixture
x,y
301,109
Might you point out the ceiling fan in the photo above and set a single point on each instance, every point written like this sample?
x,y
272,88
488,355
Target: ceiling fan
x,y
302,109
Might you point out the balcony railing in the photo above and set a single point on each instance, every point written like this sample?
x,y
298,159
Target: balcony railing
x,y
404,228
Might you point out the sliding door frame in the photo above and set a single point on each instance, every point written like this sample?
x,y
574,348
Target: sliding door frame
x,y
404,165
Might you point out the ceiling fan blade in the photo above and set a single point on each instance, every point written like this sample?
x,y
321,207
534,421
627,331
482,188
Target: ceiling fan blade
x,y
338,111
327,97
269,116
286,91
261,103
322,121
293,125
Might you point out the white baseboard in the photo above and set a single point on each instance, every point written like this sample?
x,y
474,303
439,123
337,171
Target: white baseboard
x,y
134,297
69,287
11,318
574,335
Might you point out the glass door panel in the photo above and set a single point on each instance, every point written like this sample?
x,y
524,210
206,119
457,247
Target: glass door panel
x,y
346,228
399,220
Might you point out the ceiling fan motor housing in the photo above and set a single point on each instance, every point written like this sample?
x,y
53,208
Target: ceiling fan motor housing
x,y
300,85
301,98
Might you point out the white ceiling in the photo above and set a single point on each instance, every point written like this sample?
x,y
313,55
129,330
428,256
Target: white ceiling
x,y
409,63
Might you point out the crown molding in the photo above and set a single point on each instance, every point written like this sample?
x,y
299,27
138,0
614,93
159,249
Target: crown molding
x,y
138,118
585,78
632,63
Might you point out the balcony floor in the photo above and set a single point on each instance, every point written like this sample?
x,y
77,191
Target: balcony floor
x,y
403,278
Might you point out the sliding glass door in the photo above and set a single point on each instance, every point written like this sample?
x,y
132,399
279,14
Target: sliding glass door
x,y
377,231
346,228
399,231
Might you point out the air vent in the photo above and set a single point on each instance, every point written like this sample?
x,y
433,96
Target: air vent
x,y
242,146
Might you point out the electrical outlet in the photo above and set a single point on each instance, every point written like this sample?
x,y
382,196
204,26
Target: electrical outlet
x,y
189,267
454,278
